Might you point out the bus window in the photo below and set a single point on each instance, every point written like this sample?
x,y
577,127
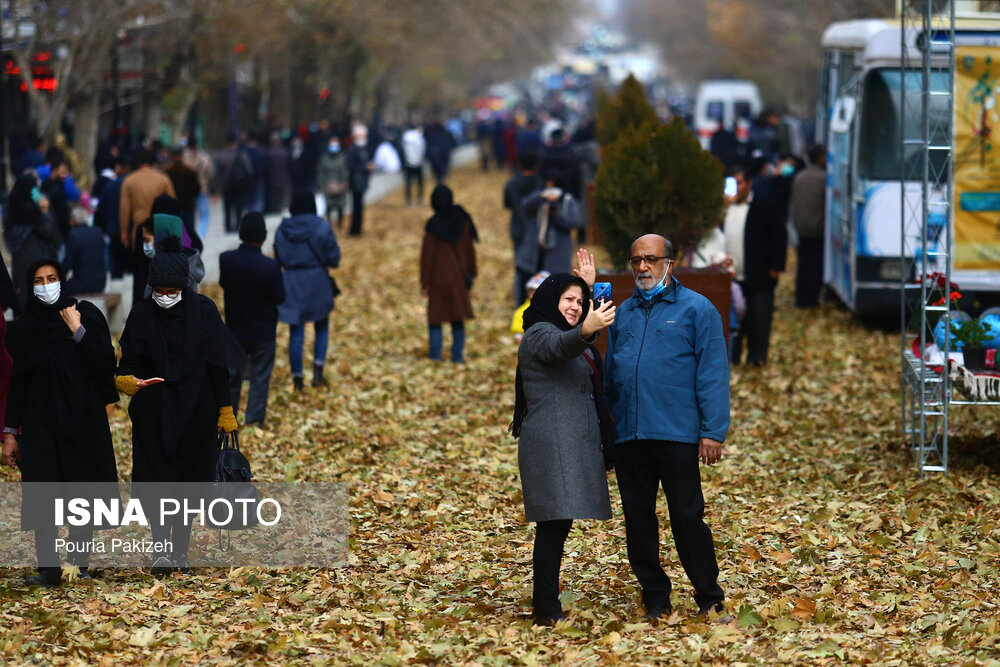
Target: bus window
x,y
878,146
714,110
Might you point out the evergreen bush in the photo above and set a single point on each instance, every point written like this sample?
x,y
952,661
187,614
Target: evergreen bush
x,y
626,110
656,179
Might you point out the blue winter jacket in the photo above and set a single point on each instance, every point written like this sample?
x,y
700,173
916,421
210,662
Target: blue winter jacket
x,y
666,373
305,246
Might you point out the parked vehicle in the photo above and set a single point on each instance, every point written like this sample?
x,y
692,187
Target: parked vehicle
x,y
732,103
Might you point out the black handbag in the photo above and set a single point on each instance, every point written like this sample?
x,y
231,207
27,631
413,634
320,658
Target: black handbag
x,y
233,483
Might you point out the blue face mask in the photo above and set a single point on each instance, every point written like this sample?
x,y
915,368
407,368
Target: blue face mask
x,y
333,148
659,287
148,249
787,170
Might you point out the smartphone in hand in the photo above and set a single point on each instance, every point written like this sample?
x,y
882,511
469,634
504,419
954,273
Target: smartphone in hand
x,y
602,293
148,382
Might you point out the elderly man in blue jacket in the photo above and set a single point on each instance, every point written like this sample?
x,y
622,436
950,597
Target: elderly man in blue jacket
x,y
667,383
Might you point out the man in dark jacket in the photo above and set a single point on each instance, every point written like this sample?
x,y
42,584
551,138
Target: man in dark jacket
x,y
53,188
253,288
765,248
666,379
517,189
808,211
84,256
359,167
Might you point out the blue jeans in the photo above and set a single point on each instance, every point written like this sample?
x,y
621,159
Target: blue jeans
x,y
297,338
260,363
457,341
202,204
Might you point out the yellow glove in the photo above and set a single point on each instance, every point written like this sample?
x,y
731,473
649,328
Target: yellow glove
x,y
227,420
127,384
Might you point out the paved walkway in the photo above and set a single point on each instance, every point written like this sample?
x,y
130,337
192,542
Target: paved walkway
x,y
218,240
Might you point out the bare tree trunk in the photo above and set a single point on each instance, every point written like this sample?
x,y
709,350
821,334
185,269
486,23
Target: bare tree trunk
x,y
190,83
88,111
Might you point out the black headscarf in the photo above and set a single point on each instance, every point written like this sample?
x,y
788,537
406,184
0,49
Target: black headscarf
x,y
545,308
449,219
181,343
22,215
40,331
8,297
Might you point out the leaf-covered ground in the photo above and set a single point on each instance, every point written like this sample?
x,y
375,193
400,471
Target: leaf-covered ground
x,y
832,549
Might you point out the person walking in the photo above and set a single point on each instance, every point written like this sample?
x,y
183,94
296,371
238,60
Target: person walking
x,y
253,289
175,359
765,248
187,187
332,176
85,250
550,215
306,247
140,188
561,422
808,211
106,218
279,174
360,167
30,231
666,378
447,271
414,151
198,159
63,377
524,182
236,179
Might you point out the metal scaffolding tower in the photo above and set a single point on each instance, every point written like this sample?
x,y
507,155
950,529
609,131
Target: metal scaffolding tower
x,y
926,151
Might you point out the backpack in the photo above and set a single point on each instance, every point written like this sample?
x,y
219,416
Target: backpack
x,y
240,175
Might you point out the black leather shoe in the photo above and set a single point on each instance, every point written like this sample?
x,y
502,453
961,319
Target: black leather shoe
x,y
47,577
297,383
705,611
657,613
549,621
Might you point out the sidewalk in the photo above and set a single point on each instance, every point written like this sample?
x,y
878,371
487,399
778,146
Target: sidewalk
x,y
218,241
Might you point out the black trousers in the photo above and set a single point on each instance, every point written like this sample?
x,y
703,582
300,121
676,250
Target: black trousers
x,y
550,536
357,211
234,204
643,466
809,278
414,174
45,545
756,327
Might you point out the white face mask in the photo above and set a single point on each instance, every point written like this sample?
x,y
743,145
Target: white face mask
x,y
167,301
48,293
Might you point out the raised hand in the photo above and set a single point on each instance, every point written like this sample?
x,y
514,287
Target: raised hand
x,y
585,267
598,318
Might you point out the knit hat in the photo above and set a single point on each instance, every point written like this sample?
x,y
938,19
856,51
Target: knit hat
x,y
252,228
169,267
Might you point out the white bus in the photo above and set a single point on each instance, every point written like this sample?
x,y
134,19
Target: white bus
x,y
730,103
858,118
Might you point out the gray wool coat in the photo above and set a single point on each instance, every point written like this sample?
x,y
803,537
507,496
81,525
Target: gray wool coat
x,y
559,452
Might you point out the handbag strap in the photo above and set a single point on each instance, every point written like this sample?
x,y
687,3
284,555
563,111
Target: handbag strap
x,y
229,439
309,245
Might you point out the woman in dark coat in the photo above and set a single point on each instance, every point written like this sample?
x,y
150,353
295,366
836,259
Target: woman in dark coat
x,y
305,247
30,231
176,353
447,269
561,420
63,378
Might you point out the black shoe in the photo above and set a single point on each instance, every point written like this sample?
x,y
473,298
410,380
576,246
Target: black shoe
x,y
297,383
47,577
549,621
318,379
656,613
181,563
708,609
162,565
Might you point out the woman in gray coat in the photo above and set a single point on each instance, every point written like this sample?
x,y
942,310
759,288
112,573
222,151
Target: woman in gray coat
x,y
559,415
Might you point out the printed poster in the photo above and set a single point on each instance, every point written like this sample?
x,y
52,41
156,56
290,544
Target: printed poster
x,y
977,158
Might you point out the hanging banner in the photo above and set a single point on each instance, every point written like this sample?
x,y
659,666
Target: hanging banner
x,y
977,158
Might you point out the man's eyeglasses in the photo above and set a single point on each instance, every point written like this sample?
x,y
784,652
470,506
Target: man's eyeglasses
x,y
649,259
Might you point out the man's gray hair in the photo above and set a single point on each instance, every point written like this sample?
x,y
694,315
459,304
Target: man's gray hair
x,y
668,247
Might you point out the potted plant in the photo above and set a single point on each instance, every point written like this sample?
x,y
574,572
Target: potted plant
x,y
656,179
972,334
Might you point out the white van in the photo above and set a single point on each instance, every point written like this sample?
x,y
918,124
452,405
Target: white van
x,y
731,102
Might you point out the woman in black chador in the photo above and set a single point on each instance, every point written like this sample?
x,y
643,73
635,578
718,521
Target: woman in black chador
x,y
63,377
176,353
